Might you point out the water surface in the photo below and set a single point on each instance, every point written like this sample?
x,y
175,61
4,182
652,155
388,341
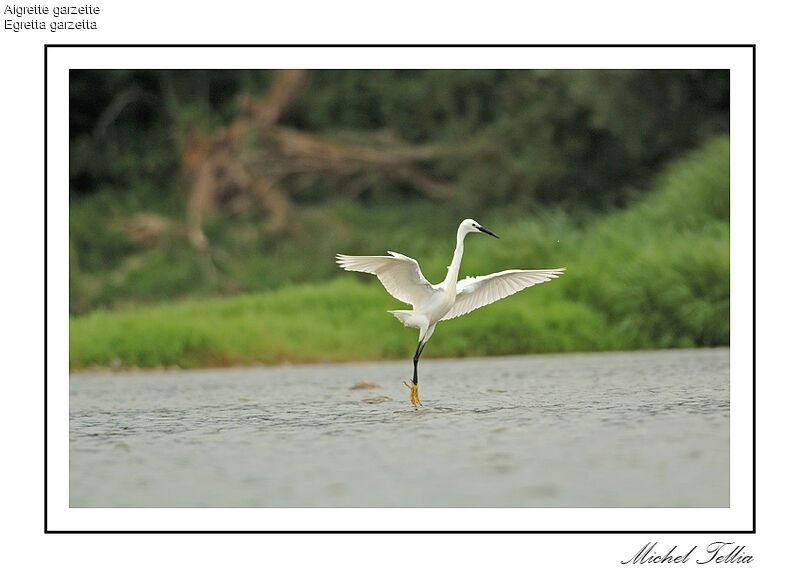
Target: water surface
x,y
645,429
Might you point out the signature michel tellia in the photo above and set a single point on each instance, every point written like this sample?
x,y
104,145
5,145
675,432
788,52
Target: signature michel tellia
x,y
714,553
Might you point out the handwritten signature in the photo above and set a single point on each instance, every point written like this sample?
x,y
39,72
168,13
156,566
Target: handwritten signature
x,y
717,552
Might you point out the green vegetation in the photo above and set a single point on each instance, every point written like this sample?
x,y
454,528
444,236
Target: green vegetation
x,y
652,275
542,152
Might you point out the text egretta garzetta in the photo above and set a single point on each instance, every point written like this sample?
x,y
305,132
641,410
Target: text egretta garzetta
x,y
402,278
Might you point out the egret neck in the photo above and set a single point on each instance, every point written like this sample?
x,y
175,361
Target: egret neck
x,y
452,270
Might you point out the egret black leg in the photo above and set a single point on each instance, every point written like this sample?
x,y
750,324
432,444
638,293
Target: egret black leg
x,y
413,387
420,347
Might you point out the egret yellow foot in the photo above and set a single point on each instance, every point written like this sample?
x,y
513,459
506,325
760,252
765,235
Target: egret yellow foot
x,y
414,393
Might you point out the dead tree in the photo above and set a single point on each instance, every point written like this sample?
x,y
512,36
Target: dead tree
x,y
248,162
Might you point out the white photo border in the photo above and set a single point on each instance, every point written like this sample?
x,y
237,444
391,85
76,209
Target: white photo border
x,y
738,518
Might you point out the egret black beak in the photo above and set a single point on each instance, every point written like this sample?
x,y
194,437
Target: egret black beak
x,y
488,232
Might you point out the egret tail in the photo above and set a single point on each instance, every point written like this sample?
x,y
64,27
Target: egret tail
x,y
404,315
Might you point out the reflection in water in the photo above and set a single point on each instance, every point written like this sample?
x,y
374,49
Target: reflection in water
x,y
580,430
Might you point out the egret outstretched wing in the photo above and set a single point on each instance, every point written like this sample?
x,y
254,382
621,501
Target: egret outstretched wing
x,y
474,292
400,275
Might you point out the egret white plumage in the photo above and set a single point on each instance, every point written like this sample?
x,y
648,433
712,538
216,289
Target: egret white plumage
x,y
402,278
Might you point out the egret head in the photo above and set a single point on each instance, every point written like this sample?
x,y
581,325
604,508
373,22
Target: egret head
x,y
472,226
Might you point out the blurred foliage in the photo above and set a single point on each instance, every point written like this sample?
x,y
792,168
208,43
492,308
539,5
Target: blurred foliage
x,y
566,144
580,137
653,275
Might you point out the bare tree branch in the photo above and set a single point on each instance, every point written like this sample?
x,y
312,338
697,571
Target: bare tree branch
x,y
284,88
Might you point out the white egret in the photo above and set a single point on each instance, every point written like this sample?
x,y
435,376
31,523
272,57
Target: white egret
x,y
402,278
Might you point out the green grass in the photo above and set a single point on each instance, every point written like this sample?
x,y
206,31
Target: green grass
x,y
652,276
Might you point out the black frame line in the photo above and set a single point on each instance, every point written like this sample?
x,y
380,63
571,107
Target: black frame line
x,y
750,531
45,289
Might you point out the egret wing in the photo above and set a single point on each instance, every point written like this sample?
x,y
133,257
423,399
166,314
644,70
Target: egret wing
x,y
474,292
400,275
